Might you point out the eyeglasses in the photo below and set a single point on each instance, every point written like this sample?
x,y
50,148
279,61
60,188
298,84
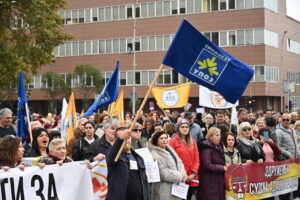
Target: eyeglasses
x,y
246,129
136,130
285,120
184,127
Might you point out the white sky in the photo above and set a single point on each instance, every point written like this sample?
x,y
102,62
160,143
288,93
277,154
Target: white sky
x,y
293,8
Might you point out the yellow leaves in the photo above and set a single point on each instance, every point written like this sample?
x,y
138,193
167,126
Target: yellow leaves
x,y
210,65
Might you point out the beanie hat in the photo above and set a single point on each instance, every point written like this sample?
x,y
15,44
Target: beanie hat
x,y
179,123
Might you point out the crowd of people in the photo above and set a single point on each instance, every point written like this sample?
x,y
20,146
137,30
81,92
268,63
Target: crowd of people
x,y
191,148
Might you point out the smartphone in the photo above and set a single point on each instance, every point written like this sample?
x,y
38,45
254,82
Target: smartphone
x,y
266,135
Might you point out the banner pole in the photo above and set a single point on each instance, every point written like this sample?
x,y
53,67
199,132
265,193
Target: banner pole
x,y
28,121
140,109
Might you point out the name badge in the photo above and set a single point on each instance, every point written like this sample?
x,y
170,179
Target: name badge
x,y
133,165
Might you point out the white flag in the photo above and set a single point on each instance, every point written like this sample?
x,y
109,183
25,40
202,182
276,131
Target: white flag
x,y
212,99
64,121
234,119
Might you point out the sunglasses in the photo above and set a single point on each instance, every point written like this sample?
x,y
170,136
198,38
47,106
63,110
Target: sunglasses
x,y
285,120
246,129
136,130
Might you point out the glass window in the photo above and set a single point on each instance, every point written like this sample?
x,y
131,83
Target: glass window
x,y
214,5
108,14
115,12
95,14
116,46
223,5
129,45
206,5
240,37
137,77
167,75
62,50
75,17
232,38
88,47
159,9
207,35
159,43
75,48
123,45
198,6
190,6
56,51
81,16
137,44
122,12
137,10
108,46
144,43
62,15
167,41
223,38
101,46
232,4
68,17
249,36
129,11
259,36
174,76
95,46
166,8
81,48
144,10
258,3
145,80
122,78
174,7
151,9
151,43
240,4
129,77
160,79
68,49
87,15
182,9
101,14
151,75
248,3
215,37
259,74
37,81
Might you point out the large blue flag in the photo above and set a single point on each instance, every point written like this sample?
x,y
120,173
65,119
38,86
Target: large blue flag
x,y
195,57
109,93
22,118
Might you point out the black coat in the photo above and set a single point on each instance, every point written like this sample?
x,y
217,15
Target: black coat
x,y
249,152
80,148
98,146
118,174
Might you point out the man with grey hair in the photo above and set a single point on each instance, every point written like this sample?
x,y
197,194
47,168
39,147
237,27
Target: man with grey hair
x,y
5,123
98,149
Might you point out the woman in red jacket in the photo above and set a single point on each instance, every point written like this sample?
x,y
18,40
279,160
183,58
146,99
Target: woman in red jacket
x,y
187,150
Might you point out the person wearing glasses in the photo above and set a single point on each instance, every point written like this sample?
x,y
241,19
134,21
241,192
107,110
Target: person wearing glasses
x,y
187,150
98,149
82,144
137,141
249,148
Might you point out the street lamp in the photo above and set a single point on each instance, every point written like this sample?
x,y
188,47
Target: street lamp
x,y
134,59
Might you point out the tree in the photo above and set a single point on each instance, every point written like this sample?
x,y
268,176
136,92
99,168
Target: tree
x,y
29,32
88,80
54,85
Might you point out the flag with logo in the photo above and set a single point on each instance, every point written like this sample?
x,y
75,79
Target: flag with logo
x,y
22,117
117,108
195,57
172,97
212,99
109,93
70,119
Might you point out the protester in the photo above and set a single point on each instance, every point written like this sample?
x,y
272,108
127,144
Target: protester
x,y
155,116
220,120
126,178
260,123
54,135
40,142
148,129
11,152
137,141
5,123
224,131
100,120
270,148
186,148
251,151
212,167
271,124
158,127
170,129
242,115
195,129
232,154
82,144
170,166
208,122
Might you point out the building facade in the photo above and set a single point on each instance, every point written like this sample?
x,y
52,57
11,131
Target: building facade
x,y
138,33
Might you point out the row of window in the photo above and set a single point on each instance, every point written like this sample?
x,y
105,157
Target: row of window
x,y
293,46
265,74
162,42
160,8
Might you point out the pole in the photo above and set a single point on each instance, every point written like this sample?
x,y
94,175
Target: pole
x,y
28,121
134,61
140,109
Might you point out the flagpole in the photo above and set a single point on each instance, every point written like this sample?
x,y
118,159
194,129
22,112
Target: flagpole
x,y
140,109
28,121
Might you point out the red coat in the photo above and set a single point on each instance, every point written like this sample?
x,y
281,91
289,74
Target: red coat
x,y
189,157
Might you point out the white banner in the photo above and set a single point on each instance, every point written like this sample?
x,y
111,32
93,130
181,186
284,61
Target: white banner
x,y
99,179
69,181
212,99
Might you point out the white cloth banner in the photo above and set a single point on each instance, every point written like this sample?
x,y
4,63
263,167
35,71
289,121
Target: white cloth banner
x,y
212,99
234,119
69,181
99,179
64,121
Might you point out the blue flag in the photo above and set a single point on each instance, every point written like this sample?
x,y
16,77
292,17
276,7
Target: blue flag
x,y
22,118
109,93
195,57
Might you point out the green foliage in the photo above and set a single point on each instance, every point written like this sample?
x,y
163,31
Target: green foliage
x,y
29,31
89,81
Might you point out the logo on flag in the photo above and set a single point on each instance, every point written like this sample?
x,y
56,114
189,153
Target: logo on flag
x,y
105,98
208,67
170,97
218,100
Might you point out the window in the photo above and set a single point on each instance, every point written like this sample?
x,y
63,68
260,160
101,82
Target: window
x,y
240,4
123,45
258,3
101,14
214,5
137,77
223,38
232,38
207,35
144,43
81,48
223,5
272,74
232,4
159,9
248,3
129,11
167,41
115,12
144,10
206,5
240,37
174,7
259,73
137,44
108,46
174,77
129,77
88,47
81,16
151,43
198,6
62,15
68,17
145,78
129,45
159,43
75,48
95,46
116,46
160,79
137,10
151,9
259,36
95,15
249,36
182,9
215,37
190,6
122,12
62,50
166,8
68,49
87,15
108,13
122,78
167,76
75,17
101,46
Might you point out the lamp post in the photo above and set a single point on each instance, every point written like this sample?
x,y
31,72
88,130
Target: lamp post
x,y
134,59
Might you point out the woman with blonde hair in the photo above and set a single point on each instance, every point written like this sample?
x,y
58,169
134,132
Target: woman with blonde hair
x,y
260,123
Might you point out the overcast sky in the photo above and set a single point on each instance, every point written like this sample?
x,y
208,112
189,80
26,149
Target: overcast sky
x,y
293,8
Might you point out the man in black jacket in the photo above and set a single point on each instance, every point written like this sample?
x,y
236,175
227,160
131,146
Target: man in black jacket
x,y
127,178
